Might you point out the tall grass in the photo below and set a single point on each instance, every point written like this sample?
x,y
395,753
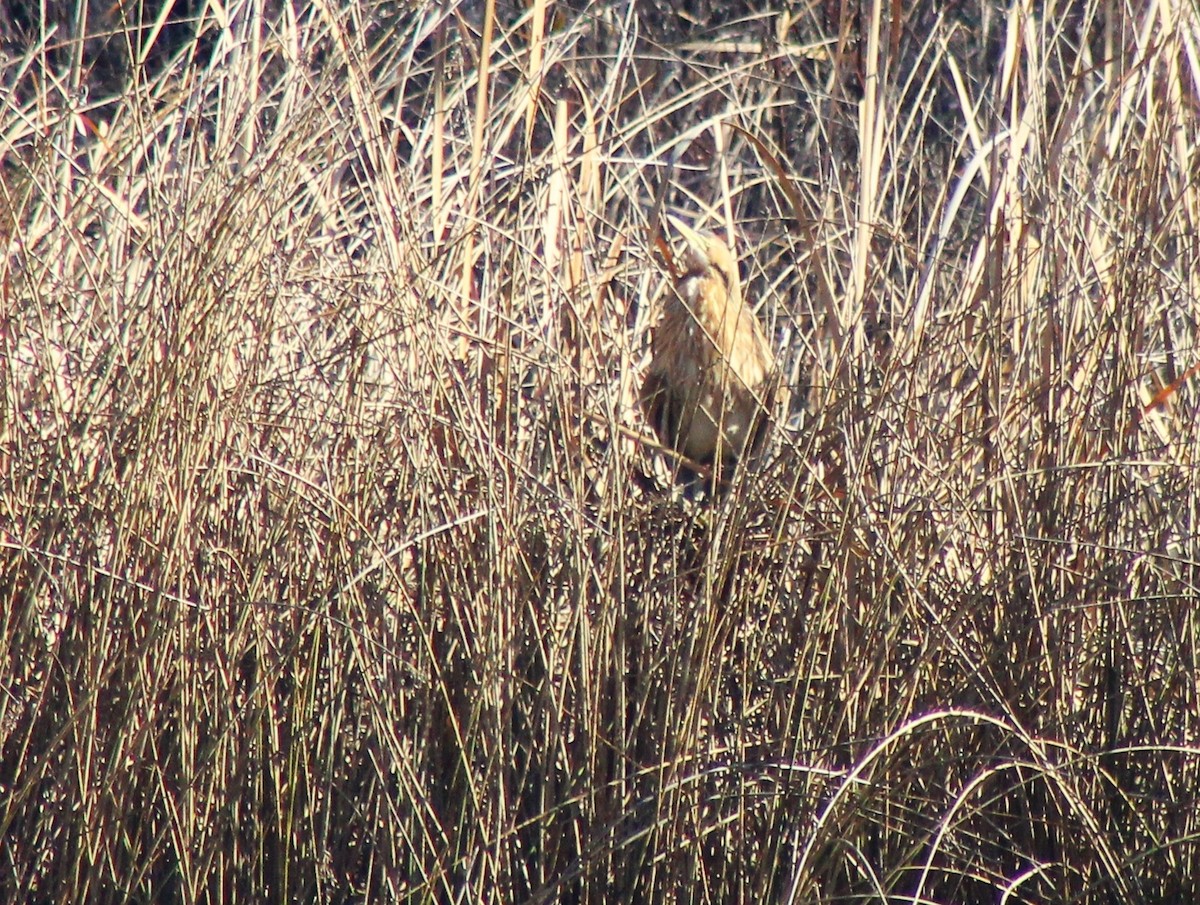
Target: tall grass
x,y
338,563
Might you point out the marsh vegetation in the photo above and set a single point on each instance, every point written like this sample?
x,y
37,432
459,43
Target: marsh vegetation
x,y
338,564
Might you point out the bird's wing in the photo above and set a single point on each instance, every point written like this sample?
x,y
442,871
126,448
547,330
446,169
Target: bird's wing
x,y
656,399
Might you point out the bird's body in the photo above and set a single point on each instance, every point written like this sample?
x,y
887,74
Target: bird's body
x,y
707,391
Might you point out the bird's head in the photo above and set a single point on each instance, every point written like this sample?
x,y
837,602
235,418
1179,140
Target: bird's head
x,y
706,255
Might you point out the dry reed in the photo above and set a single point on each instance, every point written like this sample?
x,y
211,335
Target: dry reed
x,y
329,568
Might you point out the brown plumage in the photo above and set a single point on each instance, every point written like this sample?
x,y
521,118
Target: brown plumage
x,y
708,389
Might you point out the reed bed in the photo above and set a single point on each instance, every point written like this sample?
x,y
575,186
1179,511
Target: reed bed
x,y
338,563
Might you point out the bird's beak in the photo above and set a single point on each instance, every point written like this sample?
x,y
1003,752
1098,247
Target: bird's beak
x,y
694,240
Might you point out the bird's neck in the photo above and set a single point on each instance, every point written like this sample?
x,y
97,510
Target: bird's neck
x,y
713,308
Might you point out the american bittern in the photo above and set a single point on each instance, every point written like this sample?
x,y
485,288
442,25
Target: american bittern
x,y
708,390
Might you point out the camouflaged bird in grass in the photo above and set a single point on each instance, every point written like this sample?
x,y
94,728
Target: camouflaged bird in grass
x,y
708,391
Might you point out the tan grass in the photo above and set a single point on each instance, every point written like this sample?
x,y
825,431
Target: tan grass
x,y
329,568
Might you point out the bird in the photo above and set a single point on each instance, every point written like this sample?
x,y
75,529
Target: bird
x,y
708,391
